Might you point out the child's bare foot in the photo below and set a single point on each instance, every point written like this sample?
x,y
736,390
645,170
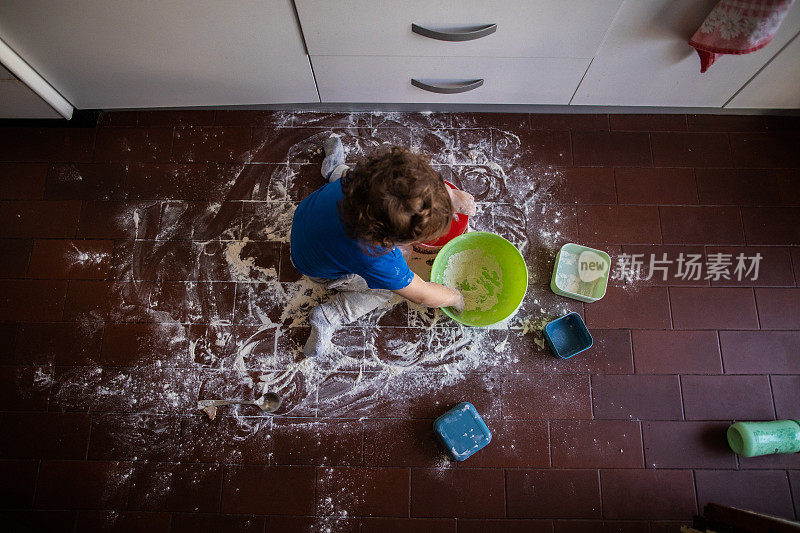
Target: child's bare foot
x,y
319,340
334,155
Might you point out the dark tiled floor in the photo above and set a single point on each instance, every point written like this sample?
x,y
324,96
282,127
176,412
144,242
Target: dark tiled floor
x,y
145,266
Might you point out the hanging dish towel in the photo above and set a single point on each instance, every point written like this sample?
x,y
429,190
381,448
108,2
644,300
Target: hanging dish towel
x,y
738,27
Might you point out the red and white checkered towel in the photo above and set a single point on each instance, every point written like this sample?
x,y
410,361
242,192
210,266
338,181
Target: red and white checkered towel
x,y
738,27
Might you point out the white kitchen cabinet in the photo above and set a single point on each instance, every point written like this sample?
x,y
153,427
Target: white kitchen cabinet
x,y
777,86
151,53
505,80
18,101
525,28
645,59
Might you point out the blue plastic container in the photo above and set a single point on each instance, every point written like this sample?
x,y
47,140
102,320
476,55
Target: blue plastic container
x,y
567,336
462,431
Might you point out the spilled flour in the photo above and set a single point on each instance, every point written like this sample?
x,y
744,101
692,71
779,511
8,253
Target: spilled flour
x,y
477,275
215,312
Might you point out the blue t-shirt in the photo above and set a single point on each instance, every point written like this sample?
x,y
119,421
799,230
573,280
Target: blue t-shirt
x,y
321,248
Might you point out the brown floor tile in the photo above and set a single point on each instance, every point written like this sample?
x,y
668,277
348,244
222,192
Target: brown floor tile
x,y
144,437
8,339
15,255
407,525
86,181
463,493
601,526
175,487
655,186
786,392
46,144
794,479
505,526
117,118
676,352
515,444
513,121
18,483
647,122
166,181
778,308
44,435
125,522
569,121
765,150
82,484
553,494
318,442
661,265
736,490
244,487
364,491
25,388
546,396
39,520
41,219
637,397
217,523
621,149
676,149
728,186
57,259
701,225
302,524
726,122
771,225
528,147
637,307
739,263
133,144
713,308
650,494
141,344
403,443
619,224
32,300
252,118
225,440
610,354
22,181
582,185
191,117
596,444
193,144
720,397
757,352
482,390
118,220
687,445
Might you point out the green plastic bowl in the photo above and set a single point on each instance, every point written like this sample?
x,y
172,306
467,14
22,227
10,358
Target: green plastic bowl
x,y
512,265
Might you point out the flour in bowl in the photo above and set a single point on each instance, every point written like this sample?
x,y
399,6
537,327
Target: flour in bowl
x,y
477,275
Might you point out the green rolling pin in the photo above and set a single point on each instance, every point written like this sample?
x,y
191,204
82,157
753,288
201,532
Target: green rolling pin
x,y
749,439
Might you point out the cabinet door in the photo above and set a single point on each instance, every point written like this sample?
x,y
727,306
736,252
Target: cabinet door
x,y
777,86
644,59
507,80
151,53
525,28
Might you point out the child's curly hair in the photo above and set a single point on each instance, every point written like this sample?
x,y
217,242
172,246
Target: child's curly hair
x,y
395,197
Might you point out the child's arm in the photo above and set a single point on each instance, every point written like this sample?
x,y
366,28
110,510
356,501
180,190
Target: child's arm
x,y
463,202
431,294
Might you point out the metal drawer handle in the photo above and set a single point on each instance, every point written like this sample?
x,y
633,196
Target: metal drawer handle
x,y
448,88
467,34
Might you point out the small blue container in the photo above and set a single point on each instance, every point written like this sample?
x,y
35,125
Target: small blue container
x,y
462,431
567,336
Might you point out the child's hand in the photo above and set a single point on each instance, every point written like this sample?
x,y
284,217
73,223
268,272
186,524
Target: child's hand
x,y
458,307
463,202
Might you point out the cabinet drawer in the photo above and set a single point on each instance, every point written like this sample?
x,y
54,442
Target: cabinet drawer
x,y
505,80
525,28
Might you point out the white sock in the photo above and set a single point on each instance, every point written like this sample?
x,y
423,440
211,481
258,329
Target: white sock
x,y
319,340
